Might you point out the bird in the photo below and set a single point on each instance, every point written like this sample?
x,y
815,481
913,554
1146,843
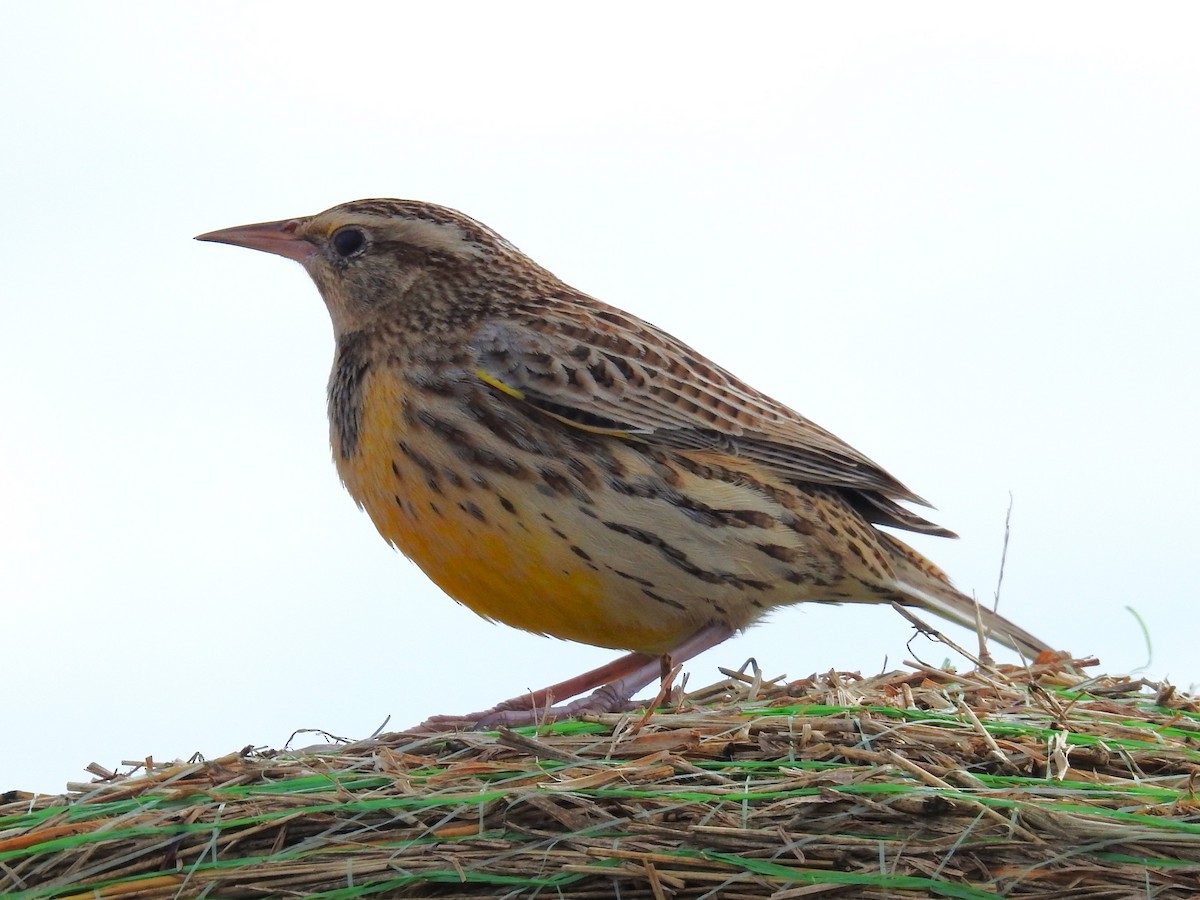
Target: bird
x,y
564,467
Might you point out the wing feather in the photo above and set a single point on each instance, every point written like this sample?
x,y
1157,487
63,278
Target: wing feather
x,y
602,370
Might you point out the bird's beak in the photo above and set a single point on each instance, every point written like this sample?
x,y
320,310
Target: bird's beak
x,y
280,238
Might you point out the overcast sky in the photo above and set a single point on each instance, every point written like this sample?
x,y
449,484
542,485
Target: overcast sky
x,y
962,238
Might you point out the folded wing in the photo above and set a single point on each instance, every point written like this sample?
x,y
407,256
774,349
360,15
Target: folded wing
x,y
609,372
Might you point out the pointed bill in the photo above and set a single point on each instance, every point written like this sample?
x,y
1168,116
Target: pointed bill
x,y
280,238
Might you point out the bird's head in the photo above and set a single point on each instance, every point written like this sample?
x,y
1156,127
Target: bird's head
x,y
370,258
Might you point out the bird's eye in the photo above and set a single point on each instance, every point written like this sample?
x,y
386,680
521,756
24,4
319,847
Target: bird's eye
x,y
349,242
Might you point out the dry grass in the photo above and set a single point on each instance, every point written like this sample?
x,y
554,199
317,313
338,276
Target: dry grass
x,y
1010,781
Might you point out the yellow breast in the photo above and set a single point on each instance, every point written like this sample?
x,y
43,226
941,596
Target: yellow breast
x,y
487,538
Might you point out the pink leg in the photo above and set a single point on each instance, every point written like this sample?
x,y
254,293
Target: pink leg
x,y
618,681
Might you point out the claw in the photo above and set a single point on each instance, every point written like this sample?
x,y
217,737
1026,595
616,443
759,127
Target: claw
x,y
614,683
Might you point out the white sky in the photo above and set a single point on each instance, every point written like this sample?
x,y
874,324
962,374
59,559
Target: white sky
x,y
962,238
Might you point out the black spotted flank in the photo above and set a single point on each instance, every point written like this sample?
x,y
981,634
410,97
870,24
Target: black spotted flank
x,y
558,483
661,599
779,552
473,509
680,559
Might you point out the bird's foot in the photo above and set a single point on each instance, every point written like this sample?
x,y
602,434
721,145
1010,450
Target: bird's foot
x,y
614,683
517,711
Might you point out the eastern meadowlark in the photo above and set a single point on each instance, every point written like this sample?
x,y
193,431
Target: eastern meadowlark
x,y
564,467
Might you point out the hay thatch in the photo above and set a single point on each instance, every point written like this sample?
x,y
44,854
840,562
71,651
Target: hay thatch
x,y
1020,782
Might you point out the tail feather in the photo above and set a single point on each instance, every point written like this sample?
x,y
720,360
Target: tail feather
x,y
922,584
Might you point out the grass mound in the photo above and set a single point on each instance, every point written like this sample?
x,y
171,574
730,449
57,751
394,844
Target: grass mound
x,y
1030,781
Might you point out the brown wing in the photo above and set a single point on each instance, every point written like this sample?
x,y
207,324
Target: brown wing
x,y
600,369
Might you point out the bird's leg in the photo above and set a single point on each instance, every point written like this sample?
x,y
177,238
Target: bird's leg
x,y
543,699
618,681
617,670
